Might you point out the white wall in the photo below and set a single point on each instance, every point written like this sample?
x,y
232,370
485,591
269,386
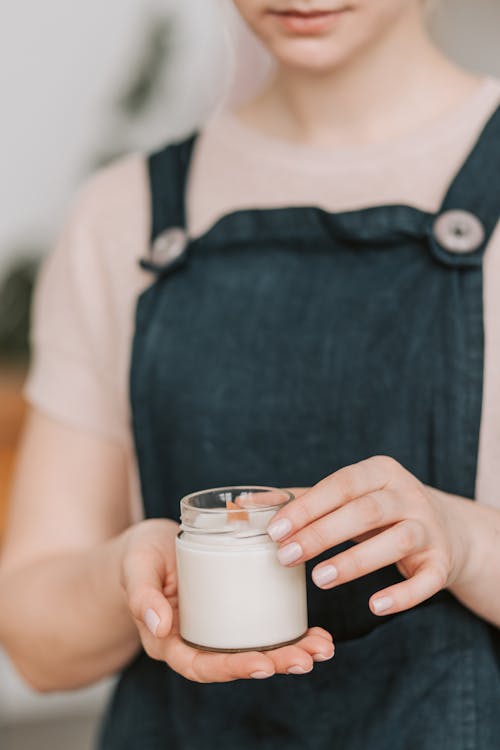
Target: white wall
x,y
470,31
60,62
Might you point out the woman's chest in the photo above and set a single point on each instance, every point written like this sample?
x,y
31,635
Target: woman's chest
x,y
279,364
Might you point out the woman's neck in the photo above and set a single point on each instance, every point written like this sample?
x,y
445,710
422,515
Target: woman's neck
x,y
398,84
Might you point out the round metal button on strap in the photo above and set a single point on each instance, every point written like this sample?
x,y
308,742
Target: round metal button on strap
x,y
459,232
169,245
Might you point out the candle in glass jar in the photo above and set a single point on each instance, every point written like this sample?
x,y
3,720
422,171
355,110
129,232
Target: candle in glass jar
x,y
234,595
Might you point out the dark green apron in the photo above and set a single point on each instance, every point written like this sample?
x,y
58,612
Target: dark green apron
x,y
278,347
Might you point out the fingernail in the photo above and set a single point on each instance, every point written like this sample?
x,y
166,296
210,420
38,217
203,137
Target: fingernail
x,y
152,621
382,604
298,670
325,575
290,554
279,529
324,657
261,675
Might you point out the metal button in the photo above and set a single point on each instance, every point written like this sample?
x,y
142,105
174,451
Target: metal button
x,y
459,232
169,245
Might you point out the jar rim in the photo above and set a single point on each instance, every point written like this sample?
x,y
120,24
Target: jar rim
x,y
185,502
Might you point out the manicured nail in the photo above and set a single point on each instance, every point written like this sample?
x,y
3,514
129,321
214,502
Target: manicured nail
x,y
298,670
382,604
279,529
324,657
290,554
261,675
152,621
325,575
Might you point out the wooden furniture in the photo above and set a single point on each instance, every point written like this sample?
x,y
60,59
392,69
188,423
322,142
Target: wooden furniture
x,y
12,410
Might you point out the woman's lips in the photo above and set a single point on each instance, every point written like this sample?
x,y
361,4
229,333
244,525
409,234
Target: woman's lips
x,y
306,23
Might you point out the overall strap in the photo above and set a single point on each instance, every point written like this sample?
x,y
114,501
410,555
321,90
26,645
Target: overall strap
x,y
471,208
168,175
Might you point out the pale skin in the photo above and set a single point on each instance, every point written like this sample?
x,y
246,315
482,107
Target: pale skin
x,y
87,578
81,586
436,540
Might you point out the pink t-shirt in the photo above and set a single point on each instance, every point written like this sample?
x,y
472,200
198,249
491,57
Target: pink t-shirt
x,y
86,296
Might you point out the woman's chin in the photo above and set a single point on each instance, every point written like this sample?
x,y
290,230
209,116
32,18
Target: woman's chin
x,y
310,55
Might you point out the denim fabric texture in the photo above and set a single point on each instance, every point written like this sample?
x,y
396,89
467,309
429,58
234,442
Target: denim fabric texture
x,y
284,344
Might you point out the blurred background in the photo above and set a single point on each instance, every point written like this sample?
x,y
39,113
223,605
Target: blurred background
x,y
82,83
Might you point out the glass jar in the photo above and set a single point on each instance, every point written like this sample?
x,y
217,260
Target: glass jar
x,y
234,595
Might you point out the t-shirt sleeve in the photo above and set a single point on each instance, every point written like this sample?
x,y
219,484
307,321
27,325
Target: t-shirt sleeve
x,y
77,331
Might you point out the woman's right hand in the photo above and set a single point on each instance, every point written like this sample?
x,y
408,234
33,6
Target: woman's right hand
x,y
148,576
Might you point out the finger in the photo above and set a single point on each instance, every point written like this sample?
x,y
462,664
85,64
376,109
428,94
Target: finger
x,y
292,659
298,658
206,666
143,583
402,596
388,547
321,633
213,667
373,511
336,490
319,647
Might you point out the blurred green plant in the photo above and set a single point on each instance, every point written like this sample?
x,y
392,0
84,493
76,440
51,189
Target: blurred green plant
x,y
16,293
143,85
144,81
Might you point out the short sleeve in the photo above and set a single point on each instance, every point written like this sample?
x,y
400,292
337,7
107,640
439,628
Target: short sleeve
x,y
81,319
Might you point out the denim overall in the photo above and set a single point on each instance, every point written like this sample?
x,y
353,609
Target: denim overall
x,y
281,345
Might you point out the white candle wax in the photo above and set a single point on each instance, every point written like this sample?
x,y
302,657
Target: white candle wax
x,y
233,592
238,598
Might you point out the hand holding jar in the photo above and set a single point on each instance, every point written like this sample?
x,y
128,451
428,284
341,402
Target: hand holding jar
x,y
150,582
394,519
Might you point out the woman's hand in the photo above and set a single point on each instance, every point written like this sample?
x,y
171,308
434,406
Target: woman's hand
x,y
150,585
393,517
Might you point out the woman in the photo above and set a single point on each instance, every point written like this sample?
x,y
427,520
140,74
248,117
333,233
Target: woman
x,y
309,305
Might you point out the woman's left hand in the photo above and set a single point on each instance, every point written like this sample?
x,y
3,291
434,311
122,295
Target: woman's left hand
x,y
393,517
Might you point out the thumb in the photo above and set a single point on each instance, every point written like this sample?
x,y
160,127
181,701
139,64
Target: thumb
x,y
144,589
